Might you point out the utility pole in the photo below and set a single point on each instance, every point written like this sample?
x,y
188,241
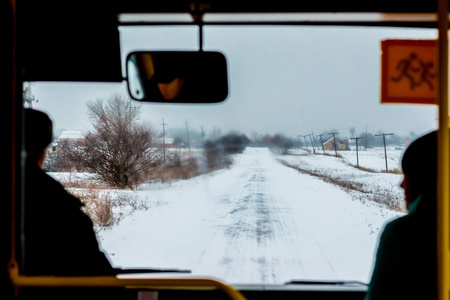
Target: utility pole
x,y
164,140
203,135
316,143
320,136
312,144
356,140
334,141
189,143
306,144
365,140
384,142
219,133
314,139
28,95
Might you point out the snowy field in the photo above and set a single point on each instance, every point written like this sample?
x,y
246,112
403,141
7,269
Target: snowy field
x,y
372,183
373,158
258,221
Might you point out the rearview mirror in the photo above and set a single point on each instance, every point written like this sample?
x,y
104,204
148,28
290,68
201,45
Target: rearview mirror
x,y
177,77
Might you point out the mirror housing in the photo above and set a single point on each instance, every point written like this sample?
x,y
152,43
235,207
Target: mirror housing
x,y
177,77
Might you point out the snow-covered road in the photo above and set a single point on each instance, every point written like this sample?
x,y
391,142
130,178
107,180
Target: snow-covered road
x,y
257,222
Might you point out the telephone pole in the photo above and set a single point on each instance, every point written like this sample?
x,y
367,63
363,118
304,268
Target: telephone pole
x,y
306,144
356,140
300,141
320,136
334,141
189,143
28,95
365,140
312,144
384,142
164,140
203,135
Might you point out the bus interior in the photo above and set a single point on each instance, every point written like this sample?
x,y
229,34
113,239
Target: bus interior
x,y
267,158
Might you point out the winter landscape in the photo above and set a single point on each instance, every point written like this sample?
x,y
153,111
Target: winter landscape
x,y
266,218
271,211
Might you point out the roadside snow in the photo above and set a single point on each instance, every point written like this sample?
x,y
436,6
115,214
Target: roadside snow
x,y
373,158
384,187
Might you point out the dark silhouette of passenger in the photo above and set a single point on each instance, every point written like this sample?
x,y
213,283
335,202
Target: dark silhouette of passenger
x,y
59,237
406,261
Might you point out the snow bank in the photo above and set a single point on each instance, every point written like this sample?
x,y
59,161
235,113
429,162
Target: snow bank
x,y
378,185
374,158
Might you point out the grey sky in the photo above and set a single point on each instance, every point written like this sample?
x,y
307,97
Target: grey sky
x,y
290,80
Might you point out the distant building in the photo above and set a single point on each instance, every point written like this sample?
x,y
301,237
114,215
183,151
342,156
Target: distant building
x,y
169,142
70,137
52,148
340,144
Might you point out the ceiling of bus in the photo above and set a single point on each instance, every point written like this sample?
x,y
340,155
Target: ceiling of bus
x,y
283,6
79,41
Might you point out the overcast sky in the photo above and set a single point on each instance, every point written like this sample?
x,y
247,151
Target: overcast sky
x,y
290,80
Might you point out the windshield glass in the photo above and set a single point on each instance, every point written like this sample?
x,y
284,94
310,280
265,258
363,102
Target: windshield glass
x,y
266,187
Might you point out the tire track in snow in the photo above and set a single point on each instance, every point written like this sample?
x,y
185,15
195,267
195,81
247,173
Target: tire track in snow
x,y
259,229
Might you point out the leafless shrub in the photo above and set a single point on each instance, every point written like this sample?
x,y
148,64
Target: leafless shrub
x,y
178,170
119,148
98,206
71,183
215,155
131,200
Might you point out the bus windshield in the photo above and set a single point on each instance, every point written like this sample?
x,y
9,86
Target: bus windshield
x,y
291,178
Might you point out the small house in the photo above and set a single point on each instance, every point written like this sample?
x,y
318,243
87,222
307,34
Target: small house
x,y
340,144
70,137
168,142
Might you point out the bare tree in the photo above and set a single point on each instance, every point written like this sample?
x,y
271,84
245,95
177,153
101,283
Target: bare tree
x,y
119,148
352,131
